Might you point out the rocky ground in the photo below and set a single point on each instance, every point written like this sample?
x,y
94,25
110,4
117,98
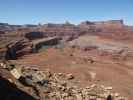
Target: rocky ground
x,y
45,85
87,67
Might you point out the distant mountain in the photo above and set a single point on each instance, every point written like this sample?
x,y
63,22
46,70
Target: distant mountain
x,y
8,27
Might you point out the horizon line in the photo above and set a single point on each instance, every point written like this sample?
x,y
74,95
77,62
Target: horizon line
x,y
65,21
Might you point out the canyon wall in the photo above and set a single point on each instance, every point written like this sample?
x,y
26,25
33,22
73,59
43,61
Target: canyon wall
x,y
111,24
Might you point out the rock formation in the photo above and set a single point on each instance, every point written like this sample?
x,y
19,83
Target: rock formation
x,y
34,35
18,48
111,24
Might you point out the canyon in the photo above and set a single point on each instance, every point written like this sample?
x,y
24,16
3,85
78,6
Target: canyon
x,y
68,58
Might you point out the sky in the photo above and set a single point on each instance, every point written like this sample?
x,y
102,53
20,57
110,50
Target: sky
x,y
59,11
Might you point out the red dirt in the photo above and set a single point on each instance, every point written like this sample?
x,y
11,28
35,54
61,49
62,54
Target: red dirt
x,y
69,60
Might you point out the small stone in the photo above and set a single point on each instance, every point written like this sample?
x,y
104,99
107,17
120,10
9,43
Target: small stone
x,y
60,74
15,73
92,98
79,97
3,65
10,80
70,76
48,74
108,88
43,82
63,88
26,81
64,94
93,85
52,94
38,76
53,84
116,94
63,83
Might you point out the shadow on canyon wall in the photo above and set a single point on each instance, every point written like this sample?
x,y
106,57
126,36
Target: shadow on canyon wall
x,y
8,91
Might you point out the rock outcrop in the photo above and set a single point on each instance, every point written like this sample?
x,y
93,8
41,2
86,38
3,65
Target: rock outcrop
x,y
60,29
113,49
18,48
111,24
34,35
